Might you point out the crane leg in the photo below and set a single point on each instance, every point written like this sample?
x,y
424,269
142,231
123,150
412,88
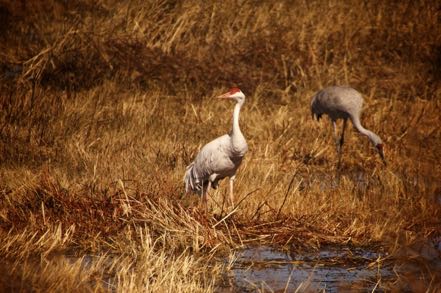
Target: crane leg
x,y
334,125
340,143
232,178
204,199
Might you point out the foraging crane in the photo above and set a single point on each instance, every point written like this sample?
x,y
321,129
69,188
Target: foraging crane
x,y
220,157
340,102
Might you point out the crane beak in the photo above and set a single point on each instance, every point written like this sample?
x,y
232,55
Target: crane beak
x,y
224,96
381,153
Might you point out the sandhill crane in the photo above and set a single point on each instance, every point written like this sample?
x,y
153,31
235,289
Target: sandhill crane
x,y
220,157
340,102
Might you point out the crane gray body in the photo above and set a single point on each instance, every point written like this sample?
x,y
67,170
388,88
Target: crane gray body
x,y
338,102
342,102
220,157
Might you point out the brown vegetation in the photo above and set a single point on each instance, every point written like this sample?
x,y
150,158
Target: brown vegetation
x,y
104,103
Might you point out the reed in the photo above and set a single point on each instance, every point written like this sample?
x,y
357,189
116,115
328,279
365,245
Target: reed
x,y
105,103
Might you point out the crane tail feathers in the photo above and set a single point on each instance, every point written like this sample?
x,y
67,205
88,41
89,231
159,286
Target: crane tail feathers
x,y
190,180
316,116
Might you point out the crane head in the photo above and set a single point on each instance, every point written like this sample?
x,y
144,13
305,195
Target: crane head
x,y
381,152
235,94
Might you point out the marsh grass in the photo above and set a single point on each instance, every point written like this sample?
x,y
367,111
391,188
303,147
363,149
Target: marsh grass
x,y
105,103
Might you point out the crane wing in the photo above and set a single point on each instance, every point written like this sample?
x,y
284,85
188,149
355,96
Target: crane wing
x,y
214,158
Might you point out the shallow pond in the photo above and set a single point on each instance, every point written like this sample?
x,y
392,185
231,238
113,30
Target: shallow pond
x,y
331,269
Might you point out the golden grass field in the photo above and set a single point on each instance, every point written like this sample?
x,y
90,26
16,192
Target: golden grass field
x,y
104,103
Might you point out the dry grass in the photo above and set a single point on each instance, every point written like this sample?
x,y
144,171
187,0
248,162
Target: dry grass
x,y
105,103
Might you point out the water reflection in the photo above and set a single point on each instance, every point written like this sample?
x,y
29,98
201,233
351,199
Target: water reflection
x,y
332,269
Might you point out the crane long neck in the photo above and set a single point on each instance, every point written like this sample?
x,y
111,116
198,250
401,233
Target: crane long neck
x,y
357,124
236,128
238,143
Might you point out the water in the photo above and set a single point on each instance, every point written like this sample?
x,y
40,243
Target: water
x,y
331,269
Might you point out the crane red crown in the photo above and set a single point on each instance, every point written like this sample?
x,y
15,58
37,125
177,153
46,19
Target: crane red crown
x,y
234,90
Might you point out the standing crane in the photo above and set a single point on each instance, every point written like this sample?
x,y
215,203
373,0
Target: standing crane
x,y
220,157
340,102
